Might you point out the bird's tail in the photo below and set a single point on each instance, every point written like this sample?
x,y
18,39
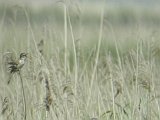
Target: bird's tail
x,y
10,77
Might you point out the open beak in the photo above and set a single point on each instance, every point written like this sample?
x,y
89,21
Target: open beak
x,y
26,55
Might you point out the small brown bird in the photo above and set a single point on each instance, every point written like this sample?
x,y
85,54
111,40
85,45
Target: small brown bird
x,y
15,66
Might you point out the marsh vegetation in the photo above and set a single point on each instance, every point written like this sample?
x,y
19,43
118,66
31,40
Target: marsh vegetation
x,y
86,61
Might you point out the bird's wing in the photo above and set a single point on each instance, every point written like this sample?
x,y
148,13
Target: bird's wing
x,y
13,63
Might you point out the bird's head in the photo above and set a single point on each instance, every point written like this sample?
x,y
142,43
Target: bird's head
x,y
23,55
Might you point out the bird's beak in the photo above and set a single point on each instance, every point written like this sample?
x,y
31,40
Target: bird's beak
x,y
26,55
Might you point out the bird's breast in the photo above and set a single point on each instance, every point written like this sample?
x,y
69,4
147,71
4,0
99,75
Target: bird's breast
x,y
21,64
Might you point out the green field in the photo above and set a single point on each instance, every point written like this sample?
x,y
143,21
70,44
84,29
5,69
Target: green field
x,y
86,60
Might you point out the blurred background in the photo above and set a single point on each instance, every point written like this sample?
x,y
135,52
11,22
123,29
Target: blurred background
x,y
129,19
68,37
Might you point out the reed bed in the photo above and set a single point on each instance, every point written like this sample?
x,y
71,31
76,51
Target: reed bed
x,y
81,66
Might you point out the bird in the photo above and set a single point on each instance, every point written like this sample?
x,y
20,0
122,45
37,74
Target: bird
x,y
15,66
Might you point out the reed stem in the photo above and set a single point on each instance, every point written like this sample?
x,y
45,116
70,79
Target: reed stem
x,y
24,98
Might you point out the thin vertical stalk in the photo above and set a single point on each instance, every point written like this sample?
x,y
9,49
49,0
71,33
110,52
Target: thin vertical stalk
x,y
111,82
66,50
24,98
28,38
75,54
65,38
137,67
4,13
97,56
1,25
